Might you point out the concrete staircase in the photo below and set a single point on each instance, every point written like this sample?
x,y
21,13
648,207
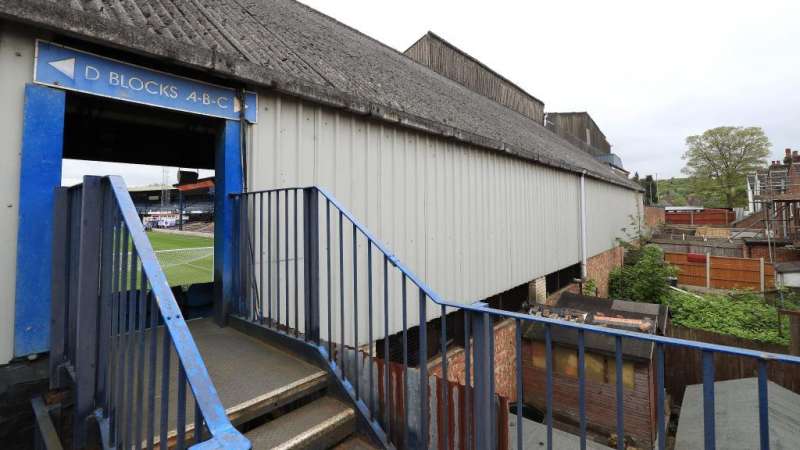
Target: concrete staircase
x,y
276,398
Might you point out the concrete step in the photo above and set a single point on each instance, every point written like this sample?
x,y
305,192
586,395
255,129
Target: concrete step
x,y
252,378
356,443
320,424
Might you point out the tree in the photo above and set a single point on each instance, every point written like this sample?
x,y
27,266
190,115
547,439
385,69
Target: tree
x,y
719,160
650,190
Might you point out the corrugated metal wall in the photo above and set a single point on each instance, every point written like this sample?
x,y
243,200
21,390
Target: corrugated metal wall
x,y
16,60
609,209
470,222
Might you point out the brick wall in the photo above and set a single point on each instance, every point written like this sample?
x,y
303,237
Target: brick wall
x,y
504,362
781,254
599,266
601,411
754,220
653,216
639,411
537,290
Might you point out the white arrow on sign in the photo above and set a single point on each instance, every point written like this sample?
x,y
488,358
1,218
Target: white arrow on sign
x,y
65,66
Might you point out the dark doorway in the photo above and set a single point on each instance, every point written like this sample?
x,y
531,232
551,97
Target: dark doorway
x,y
97,129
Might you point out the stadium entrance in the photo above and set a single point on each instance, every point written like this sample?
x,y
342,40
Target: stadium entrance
x,y
177,211
91,108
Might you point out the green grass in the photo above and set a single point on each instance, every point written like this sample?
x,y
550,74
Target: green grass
x,y
169,241
183,268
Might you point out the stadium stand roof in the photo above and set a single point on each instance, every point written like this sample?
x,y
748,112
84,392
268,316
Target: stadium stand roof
x,y
293,49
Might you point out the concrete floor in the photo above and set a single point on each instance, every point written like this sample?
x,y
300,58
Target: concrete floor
x,y
245,371
534,436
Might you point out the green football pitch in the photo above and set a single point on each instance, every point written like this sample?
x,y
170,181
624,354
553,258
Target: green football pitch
x,y
185,259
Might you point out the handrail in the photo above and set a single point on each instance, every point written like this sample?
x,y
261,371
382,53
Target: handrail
x,y
468,306
117,325
345,356
224,435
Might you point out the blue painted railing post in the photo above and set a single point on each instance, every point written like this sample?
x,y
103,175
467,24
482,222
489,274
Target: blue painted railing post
x,y
311,261
88,307
60,287
484,410
226,248
40,175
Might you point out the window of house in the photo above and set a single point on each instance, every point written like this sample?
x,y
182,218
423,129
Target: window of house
x,y
599,368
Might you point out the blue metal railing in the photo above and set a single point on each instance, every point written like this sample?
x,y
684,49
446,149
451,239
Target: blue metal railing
x,y
348,279
119,339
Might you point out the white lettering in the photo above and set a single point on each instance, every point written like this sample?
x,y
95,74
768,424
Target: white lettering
x,y
113,78
138,83
147,87
206,98
192,97
91,73
222,102
173,92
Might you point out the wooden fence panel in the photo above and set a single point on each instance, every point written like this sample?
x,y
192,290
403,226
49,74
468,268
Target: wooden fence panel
x,y
705,217
684,367
726,272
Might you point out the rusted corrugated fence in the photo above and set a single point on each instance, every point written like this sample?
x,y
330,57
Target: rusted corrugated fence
x,y
722,272
449,424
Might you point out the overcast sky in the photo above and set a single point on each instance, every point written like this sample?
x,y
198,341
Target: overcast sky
x,y
649,73
73,170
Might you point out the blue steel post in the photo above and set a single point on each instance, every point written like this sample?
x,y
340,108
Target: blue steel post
x,y
369,332
40,175
228,181
60,287
422,361
620,405
483,395
104,317
468,350
709,428
386,357
87,308
763,405
406,415
582,387
328,276
443,343
356,372
311,262
662,432
548,363
520,393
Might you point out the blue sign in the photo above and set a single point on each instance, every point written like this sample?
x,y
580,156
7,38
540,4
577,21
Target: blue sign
x,y
75,70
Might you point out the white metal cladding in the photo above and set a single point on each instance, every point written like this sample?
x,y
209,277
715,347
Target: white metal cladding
x,y
609,210
471,223
16,60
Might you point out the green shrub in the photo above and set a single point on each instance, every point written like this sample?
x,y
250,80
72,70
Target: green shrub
x,y
589,287
644,281
743,315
